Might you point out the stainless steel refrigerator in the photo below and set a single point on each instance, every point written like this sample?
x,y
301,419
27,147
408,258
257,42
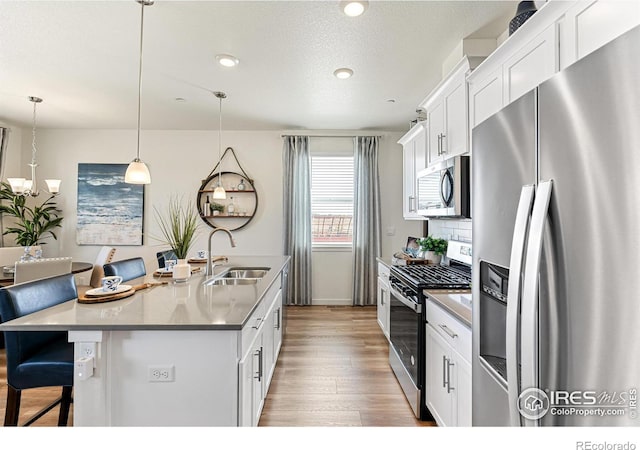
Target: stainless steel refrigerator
x,y
556,240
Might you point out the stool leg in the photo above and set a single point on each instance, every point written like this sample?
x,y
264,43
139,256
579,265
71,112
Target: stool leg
x,y
65,404
13,407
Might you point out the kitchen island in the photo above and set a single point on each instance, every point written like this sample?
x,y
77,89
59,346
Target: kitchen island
x,y
182,354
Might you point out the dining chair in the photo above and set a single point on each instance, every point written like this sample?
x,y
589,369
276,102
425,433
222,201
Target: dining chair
x,y
105,255
9,255
37,358
41,268
164,256
128,269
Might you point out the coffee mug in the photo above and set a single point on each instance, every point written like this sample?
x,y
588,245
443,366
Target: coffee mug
x,y
169,264
110,284
202,254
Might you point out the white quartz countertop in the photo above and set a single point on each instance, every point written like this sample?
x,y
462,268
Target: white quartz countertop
x,y
457,302
191,305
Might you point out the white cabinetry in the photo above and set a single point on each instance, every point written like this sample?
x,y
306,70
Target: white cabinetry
x,y
261,342
446,108
533,63
384,297
590,24
413,159
485,97
448,374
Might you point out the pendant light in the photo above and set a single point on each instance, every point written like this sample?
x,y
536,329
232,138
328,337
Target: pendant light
x,y
22,186
138,172
219,193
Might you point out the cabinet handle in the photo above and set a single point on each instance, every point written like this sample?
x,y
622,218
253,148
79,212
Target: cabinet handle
x,y
444,371
448,331
257,325
439,144
278,319
449,388
412,203
443,150
259,373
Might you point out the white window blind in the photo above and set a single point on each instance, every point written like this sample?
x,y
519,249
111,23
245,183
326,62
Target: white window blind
x,y
332,199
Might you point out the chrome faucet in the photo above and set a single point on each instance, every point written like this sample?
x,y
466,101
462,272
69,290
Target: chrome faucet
x,y
209,268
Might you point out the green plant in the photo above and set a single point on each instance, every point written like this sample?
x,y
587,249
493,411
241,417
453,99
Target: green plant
x,y
436,245
217,207
178,225
33,224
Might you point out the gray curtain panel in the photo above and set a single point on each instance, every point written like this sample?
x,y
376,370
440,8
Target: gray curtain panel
x,y
366,220
297,217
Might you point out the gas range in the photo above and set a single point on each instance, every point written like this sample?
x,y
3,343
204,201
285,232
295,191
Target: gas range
x,y
434,277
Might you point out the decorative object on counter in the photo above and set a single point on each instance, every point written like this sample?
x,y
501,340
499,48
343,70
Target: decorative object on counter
x,y
137,171
178,225
524,11
233,220
219,193
32,224
433,248
29,188
181,271
110,211
89,298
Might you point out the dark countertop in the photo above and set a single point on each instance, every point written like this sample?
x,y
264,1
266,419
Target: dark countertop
x,y
191,305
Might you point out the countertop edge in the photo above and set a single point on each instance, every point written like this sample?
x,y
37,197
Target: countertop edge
x,y
447,308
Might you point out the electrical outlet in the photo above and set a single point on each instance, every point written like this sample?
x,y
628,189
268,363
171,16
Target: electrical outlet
x,y
88,350
161,374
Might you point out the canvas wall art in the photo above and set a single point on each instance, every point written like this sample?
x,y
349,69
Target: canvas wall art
x,y
110,212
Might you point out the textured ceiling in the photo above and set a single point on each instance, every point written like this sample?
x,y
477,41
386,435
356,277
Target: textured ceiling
x,y
82,58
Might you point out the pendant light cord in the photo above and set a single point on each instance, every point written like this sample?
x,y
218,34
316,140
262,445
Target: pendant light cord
x,y
220,144
142,3
33,136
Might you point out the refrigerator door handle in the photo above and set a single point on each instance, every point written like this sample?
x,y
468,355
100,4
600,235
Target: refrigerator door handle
x,y
529,312
513,300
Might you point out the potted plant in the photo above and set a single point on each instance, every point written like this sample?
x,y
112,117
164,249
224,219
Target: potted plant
x,y
433,248
32,224
178,225
216,209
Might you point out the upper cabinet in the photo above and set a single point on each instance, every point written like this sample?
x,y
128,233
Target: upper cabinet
x,y
556,36
589,24
446,109
414,144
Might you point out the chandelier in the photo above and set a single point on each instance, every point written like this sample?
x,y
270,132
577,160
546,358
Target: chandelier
x,y
22,186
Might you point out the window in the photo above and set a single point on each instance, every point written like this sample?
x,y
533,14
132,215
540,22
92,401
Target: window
x,y
331,200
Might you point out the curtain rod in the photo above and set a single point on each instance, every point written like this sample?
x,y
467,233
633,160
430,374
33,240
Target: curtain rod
x,y
333,136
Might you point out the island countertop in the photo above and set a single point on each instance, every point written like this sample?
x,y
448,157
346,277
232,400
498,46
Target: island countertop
x,y
191,305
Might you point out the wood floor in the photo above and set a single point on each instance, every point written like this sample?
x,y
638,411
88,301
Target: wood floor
x,y
332,371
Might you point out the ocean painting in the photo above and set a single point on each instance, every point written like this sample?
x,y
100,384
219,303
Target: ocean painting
x,y
109,210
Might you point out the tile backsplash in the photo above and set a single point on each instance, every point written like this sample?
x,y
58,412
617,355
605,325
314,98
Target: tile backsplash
x,y
451,229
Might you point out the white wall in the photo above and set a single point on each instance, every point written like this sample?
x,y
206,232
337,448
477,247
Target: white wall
x,y
13,165
178,161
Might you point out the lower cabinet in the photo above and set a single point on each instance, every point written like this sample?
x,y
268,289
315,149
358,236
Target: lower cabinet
x,y
384,297
448,373
258,363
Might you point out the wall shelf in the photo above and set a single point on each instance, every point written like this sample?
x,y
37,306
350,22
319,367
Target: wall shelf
x,y
244,200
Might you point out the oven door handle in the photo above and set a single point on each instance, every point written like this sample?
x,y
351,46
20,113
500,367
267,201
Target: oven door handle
x,y
417,307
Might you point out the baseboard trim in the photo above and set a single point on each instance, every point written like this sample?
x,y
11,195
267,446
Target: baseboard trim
x,y
332,301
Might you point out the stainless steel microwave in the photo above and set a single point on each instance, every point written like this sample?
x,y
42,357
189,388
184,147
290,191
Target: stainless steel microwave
x,y
444,189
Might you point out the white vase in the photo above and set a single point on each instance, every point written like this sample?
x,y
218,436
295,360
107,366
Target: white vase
x,y
432,257
182,270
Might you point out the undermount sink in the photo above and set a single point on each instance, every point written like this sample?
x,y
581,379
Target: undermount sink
x,y
236,276
233,281
246,272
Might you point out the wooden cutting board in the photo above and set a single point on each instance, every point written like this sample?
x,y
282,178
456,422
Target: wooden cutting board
x,y
170,274
119,296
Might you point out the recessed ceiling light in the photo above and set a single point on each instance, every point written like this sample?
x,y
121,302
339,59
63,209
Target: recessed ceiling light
x,y
227,60
180,99
354,8
343,73
391,100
